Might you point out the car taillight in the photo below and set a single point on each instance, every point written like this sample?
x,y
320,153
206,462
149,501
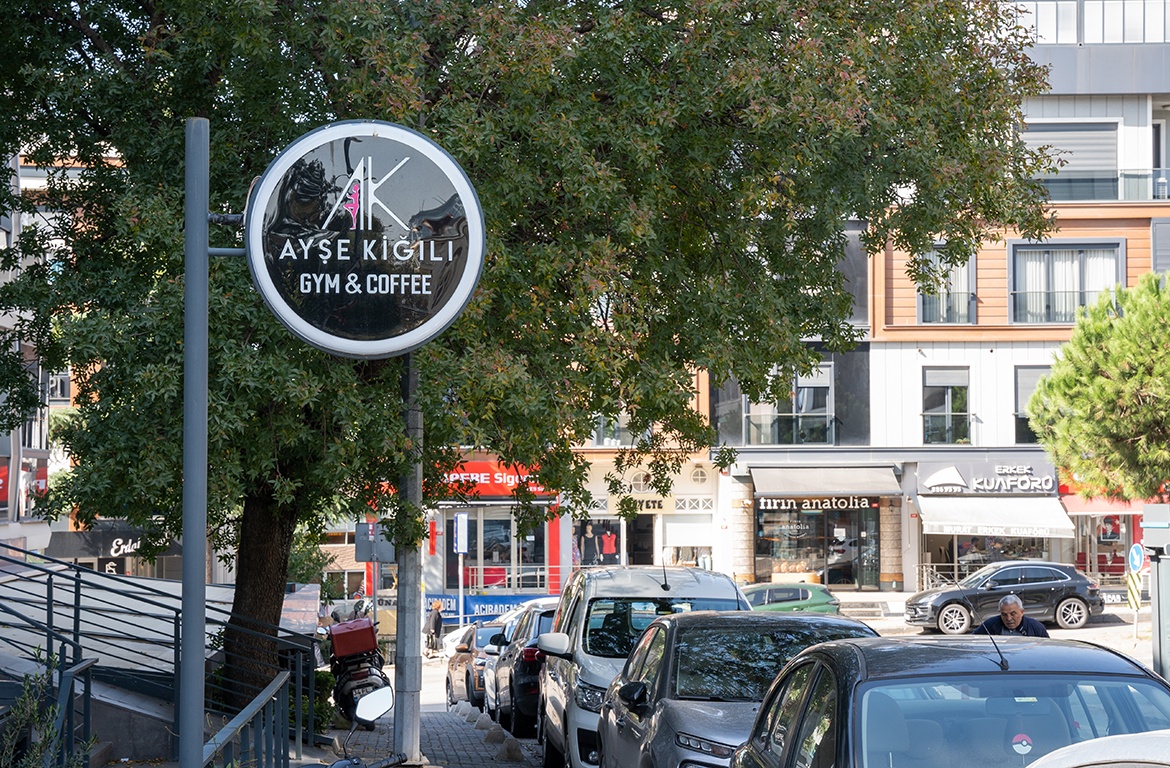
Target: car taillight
x,y
1094,584
531,654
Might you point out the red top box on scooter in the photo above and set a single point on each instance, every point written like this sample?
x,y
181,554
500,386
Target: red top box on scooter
x,y
355,636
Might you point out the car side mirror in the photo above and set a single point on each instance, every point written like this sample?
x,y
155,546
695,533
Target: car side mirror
x,y
635,695
555,644
992,584
462,648
499,639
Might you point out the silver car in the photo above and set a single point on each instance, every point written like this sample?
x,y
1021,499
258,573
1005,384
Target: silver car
x,y
690,688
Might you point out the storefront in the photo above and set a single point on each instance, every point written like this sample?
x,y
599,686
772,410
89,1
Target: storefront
x,y
1105,530
974,513
500,567
111,547
823,524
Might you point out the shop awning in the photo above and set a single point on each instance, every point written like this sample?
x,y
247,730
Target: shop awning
x,y
825,481
995,516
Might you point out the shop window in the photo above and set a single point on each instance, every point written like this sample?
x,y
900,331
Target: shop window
x,y
1026,379
497,556
1050,283
945,417
954,299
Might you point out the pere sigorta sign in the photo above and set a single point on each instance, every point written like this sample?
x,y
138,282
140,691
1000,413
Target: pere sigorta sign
x,y
365,238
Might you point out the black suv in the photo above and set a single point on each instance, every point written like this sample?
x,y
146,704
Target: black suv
x,y
1049,592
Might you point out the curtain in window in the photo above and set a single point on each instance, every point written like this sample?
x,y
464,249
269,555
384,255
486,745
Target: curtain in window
x,y
1100,272
1066,285
1031,285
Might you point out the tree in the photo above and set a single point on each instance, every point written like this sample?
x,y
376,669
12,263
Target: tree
x,y
665,186
1101,411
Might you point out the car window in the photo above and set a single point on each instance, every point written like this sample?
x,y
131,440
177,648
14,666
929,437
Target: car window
x,y
1038,575
817,739
785,594
1004,716
786,708
544,622
567,606
1008,576
613,624
523,628
757,597
634,663
737,663
651,667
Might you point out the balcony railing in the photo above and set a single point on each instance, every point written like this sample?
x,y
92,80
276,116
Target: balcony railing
x,y
1097,22
946,428
951,308
1110,184
782,429
1049,306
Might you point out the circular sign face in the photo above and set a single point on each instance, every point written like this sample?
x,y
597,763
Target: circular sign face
x,y
1137,558
365,238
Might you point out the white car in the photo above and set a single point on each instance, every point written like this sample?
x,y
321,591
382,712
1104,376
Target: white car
x,y
602,612
1132,750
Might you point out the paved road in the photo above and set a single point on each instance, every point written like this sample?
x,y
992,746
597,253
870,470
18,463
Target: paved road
x,y
452,738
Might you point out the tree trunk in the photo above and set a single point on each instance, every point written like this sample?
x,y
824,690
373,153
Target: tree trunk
x,y
250,657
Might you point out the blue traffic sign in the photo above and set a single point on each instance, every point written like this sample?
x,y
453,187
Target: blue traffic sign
x,y
1137,558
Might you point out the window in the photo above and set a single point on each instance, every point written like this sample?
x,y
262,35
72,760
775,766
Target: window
x,y
1050,283
59,389
614,433
1089,151
805,417
945,417
818,730
1026,379
955,300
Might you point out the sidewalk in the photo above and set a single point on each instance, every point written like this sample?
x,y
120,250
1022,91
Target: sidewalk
x,y
450,739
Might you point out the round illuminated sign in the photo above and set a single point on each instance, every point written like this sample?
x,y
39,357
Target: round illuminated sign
x,y
365,238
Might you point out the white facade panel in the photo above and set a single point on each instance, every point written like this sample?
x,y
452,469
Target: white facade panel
x,y
896,381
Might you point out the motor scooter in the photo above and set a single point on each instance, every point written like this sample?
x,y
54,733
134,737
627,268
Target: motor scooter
x,y
369,708
356,664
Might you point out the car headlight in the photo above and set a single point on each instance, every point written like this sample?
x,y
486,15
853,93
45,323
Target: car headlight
x,y
588,696
705,746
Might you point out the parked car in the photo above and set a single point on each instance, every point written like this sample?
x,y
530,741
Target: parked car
x,y
507,622
512,688
690,689
465,668
1050,592
1132,750
792,597
957,702
602,612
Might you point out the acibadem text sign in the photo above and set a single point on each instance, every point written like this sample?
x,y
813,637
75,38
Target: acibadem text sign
x,y
365,238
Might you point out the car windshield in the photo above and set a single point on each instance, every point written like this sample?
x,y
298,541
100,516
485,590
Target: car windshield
x,y
739,663
614,623
977,578
990,719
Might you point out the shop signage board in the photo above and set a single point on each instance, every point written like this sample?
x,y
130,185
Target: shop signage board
x,y
1032,478
365,238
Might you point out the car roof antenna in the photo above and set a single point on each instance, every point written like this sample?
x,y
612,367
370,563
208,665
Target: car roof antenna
x,y
665,583
1003,662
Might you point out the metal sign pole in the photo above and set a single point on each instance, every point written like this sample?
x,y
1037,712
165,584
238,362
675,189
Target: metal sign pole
x,y
192,638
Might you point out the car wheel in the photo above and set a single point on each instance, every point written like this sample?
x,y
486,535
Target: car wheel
x,y
1071,613
450,694
476,701
493,712
550,757
954,619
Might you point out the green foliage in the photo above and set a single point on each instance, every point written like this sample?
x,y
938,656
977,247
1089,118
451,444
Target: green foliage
x,y
1102,412
665,187
29,731
322,704
307,561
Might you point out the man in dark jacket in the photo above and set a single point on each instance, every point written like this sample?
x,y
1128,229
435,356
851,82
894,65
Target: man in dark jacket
x,y
1011,621
434,628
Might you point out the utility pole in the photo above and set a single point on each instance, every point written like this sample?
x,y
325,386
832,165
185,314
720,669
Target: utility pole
x,y
408,649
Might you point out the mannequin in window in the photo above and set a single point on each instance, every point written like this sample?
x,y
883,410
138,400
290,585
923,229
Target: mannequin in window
x,y
590,547
608,546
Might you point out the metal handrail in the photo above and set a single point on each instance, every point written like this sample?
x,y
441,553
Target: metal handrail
x,y
264,723
65,708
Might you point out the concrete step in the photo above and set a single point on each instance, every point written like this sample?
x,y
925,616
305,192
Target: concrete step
x,y
101,754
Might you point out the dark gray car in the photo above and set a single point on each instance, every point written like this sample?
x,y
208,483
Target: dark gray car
x,y
690,688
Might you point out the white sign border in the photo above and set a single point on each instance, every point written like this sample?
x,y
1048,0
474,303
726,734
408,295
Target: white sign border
x,y
269,184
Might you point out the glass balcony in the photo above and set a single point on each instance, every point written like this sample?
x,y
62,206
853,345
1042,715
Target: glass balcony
x,y
1086,185
946,428
783,429
1096,22
1049,306
949,308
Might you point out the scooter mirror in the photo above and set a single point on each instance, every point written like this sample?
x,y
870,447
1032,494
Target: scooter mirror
x,y
375,704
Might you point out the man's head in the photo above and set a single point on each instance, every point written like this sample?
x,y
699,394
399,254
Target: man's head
x,y
1011,611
